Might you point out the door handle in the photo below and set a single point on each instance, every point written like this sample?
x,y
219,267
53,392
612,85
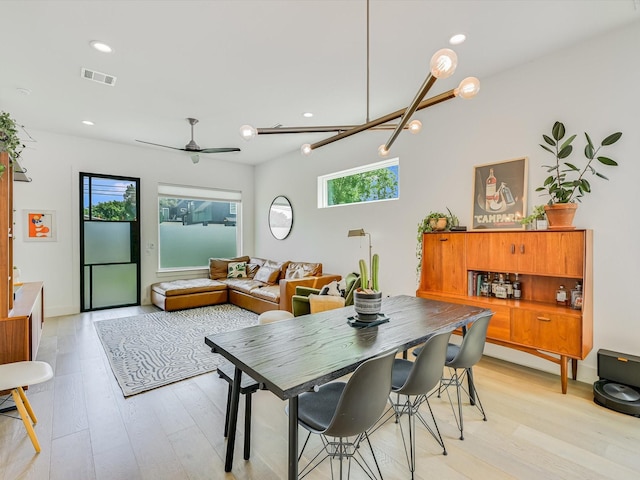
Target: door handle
x,y
522,248
513,248
444,239
544,319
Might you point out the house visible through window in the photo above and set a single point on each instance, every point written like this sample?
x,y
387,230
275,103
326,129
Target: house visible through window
x,y
195,224
370,183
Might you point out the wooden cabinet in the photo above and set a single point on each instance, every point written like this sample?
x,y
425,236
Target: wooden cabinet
x,y
442,268
21,319
20,332
544,260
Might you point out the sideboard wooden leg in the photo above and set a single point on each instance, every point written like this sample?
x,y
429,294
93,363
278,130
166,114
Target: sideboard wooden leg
x,y
574,368
563,372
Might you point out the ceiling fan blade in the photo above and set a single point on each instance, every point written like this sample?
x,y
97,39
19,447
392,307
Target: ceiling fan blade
x,y
219,150
165,146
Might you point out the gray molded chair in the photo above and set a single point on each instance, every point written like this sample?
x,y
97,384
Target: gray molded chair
x,y
460,360
341,413
414,381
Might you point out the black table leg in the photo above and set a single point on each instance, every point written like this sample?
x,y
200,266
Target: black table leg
x,y
247,425
233,418
293,438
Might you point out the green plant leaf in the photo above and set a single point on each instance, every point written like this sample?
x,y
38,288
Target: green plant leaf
x,y
549,140
565,152
585,186
597,174
589,142
572,167
548,149
568,142
558,130
589,151
611,139
607,161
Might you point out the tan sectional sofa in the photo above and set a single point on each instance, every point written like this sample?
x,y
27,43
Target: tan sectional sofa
x,y
267,285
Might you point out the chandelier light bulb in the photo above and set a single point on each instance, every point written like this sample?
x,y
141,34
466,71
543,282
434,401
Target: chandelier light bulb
x,y
306,149
414,126
443,63
382,150
468,88
248,132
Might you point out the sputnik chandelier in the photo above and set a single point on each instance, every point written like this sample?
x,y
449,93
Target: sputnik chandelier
x,y
443,64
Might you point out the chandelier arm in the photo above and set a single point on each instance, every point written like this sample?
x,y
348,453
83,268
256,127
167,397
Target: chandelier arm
x,y
426,86
317,129
387,118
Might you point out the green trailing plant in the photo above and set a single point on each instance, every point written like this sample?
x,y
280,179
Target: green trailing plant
x,y
566,182
536,214
370,285
9,140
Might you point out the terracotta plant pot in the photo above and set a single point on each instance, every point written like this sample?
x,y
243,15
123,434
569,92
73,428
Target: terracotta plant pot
x,y
438,224
560,215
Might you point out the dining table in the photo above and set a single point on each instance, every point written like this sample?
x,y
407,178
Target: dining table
x,y
297,355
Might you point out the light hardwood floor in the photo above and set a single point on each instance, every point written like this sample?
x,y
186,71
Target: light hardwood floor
x,y
88,430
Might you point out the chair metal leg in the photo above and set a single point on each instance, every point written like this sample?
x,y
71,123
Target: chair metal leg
x,y
474,398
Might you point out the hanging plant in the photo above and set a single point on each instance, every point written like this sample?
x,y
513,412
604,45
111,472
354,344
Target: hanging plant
x,y
9,140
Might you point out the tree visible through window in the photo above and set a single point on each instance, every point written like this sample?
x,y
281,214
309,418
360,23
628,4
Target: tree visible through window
x,y
374,182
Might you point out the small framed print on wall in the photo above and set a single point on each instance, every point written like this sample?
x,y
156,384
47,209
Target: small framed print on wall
x,y
40,226
500,195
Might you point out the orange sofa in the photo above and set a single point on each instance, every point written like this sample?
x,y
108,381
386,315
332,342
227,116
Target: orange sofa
x,y
266,285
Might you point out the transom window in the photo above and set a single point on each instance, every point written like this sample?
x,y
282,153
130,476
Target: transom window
x,y
371,183
195,224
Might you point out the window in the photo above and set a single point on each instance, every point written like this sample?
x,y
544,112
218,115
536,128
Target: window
x,y
371,183
195,224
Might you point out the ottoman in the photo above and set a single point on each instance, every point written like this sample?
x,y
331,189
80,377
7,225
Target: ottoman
x,y
181,294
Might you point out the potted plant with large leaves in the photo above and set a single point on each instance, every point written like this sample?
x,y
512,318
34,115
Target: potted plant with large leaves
x,y
9,140
568,183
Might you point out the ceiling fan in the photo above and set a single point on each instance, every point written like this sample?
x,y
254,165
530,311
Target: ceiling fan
x,y
192,146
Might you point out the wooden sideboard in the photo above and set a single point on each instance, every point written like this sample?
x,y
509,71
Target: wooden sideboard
x,y
20,332
22,312
544,260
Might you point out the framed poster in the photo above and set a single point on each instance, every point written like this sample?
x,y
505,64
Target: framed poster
x,y
40,226
500,195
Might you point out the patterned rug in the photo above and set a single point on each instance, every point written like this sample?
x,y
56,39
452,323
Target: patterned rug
x,y
156,349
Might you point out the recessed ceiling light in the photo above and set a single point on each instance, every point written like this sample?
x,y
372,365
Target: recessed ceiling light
x,y
88,122
101,46
307,114
457,39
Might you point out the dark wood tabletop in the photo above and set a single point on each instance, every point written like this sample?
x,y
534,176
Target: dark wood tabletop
x,y
292,356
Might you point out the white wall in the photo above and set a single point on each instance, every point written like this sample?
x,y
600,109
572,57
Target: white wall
x,y
54,164
590,87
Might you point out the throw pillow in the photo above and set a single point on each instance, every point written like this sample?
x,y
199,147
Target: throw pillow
x,y
296,272
331,289
267,274
237,270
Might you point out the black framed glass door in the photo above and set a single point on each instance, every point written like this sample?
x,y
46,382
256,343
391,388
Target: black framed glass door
x,y
109,241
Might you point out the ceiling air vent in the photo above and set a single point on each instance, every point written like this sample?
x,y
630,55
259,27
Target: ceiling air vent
x,y
99,77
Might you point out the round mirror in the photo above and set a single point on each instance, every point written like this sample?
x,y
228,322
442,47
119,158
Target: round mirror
x,y
280,217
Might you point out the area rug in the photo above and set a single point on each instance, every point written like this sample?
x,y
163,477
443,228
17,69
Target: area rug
x,y
156,349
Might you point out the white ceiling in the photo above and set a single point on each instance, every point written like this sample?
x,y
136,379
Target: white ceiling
x,y
260,62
